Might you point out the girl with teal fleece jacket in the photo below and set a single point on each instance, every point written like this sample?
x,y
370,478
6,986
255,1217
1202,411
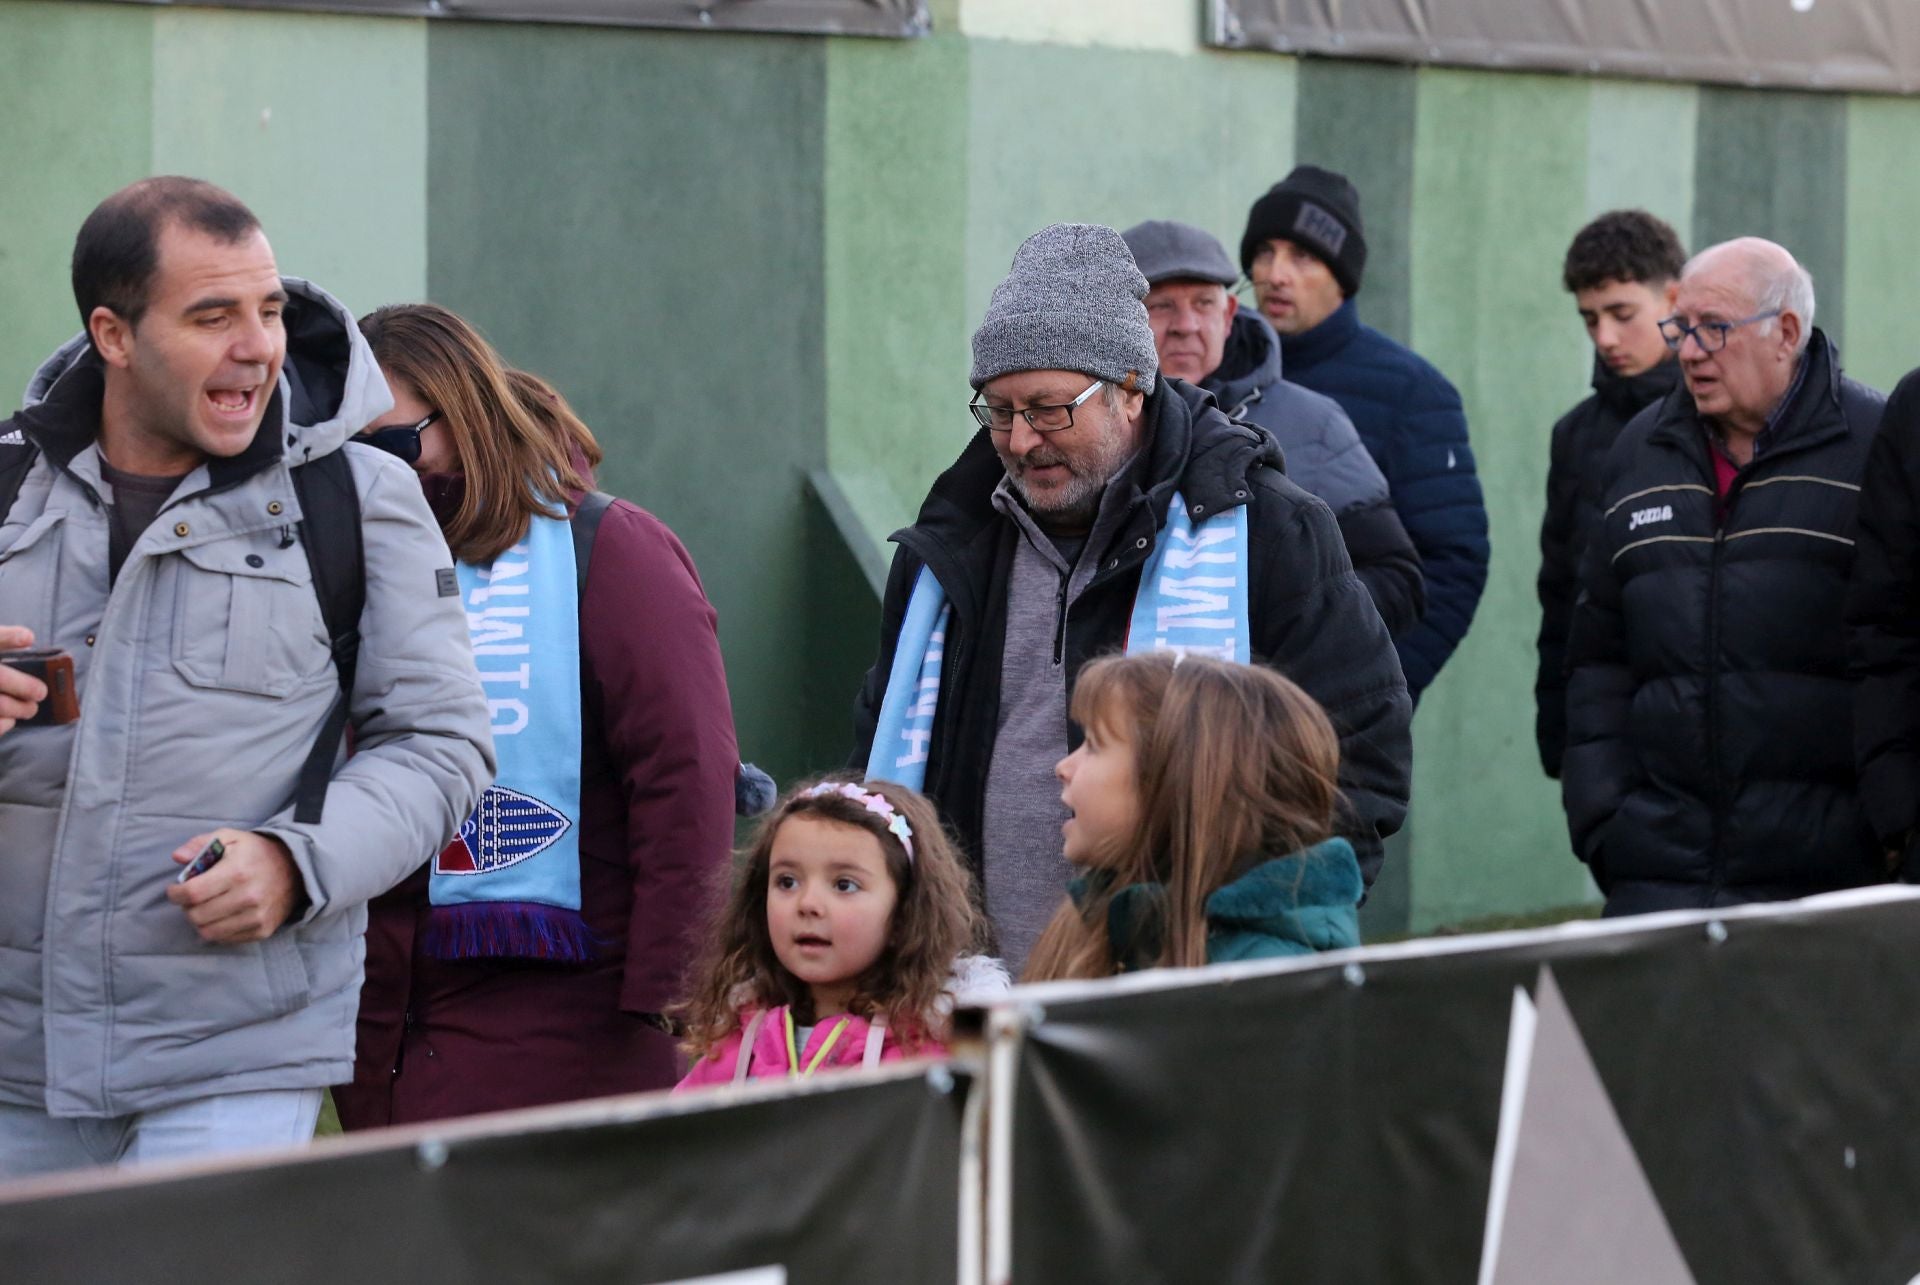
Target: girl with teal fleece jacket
x,y
1203,801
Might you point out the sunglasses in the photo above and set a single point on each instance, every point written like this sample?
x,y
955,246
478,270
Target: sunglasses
x,y
402,440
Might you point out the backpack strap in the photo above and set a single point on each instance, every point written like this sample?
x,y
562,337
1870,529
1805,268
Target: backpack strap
x,y
336,554
876,1041
17,455
586,525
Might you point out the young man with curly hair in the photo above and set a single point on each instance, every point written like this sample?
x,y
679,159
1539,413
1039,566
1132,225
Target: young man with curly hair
x,y
1622,270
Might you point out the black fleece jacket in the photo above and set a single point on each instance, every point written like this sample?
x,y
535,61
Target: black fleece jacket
x,y
1581,440
1311,617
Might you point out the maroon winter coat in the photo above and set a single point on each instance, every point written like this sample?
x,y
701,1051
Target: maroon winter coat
x,y
440,1039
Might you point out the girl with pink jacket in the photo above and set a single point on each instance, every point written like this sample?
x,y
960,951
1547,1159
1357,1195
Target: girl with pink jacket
x,y
843,943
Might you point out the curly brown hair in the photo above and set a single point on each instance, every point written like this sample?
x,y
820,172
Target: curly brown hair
x,y
936,919
1627,246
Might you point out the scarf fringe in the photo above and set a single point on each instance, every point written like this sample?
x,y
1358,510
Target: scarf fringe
x,y
508,930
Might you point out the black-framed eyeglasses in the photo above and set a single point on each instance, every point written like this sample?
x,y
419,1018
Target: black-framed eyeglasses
x,y
400,439
1710,335
1042,419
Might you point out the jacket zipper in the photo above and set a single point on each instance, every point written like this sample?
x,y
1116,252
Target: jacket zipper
x,y
1717,867
406,1033
1060,624
1716,871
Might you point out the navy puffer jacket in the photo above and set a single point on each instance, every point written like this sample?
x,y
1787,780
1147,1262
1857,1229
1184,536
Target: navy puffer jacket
x,y
1411,420
1709,752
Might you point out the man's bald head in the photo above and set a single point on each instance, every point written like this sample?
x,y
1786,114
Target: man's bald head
x,y
1747,311
1765,274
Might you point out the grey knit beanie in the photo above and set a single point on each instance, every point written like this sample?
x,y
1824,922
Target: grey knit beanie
x,y
1070,302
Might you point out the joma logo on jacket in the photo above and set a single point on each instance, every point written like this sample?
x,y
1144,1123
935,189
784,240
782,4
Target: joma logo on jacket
x,y
1658,513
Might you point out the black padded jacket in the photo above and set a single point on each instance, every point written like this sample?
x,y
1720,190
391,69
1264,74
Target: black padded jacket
x,y
1709,752
1883,618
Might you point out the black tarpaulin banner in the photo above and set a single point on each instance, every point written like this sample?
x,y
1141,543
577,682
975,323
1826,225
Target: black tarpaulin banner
x,y
846,1180
1334,1119
826,17
1871,45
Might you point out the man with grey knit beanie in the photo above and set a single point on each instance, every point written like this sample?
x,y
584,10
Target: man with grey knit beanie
x,y
1305,251
1046,535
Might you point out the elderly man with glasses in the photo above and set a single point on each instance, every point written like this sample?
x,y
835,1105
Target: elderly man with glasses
x,y
1101,507
1709,710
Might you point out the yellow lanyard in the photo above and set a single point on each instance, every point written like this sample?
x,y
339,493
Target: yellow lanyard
x,y
826,1047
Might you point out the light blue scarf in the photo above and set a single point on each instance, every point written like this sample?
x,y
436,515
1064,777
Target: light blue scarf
x,y
508,886
1192,598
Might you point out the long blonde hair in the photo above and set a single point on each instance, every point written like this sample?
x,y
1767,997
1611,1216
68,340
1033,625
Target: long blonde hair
x,y
1232,763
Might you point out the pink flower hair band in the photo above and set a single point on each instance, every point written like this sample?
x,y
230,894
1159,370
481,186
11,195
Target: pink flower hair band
x,y
872,802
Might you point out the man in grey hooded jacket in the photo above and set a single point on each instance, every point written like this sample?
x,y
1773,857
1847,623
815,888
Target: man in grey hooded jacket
x,y
157,538
1203,337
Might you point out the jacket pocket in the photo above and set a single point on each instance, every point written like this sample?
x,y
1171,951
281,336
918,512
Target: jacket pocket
x,y
288,985
246,620
29,565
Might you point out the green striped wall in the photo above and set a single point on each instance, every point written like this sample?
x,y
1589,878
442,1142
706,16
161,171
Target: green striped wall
x,y
1491,223
1882,205
1358,118
638,217
76,87
752,260
1774,164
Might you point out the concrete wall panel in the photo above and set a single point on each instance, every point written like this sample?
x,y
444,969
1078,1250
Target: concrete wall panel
x,y
1773,163
317,122
1500,183
1115,137
1640,139
1883,210
1358,118
75,93
896,222
1169,26
638,217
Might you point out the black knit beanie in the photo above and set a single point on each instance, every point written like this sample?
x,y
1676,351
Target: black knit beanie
x,y
1317,210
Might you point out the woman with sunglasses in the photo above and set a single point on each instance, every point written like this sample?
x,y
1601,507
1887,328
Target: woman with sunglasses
x,y
529,961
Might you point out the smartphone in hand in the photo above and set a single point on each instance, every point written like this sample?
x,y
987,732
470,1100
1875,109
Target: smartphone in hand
x,y
204,860
54,667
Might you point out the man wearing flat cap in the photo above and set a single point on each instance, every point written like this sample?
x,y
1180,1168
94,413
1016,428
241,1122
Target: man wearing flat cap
x,y
1305,251
1204,337
1100,507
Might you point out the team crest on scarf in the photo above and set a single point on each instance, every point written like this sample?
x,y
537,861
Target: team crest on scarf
x,y
508,886
506,828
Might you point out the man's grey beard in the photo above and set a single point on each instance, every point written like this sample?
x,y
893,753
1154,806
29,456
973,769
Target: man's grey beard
x,y
1076,505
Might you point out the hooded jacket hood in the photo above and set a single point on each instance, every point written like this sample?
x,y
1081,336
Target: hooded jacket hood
x,y
1291,897
1249,364
330,384
1627,395
1294,904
